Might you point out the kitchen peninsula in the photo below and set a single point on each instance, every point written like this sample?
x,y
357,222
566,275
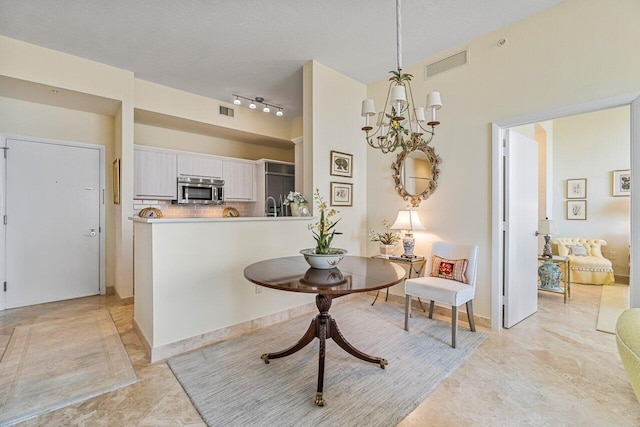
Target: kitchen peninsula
x,y
189,287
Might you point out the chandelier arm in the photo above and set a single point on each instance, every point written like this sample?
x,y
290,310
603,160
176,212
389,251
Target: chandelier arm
x,y
430,131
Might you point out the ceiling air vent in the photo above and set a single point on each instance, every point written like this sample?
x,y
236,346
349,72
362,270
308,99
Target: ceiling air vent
x,y
226,111
449,63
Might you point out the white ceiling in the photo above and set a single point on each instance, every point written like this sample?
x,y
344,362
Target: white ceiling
x,y
254,47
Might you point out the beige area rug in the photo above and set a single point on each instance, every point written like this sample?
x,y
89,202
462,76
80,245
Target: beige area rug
x,y
49,365
231,386
613,301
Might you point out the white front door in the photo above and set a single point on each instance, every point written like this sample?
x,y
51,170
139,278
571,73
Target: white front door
x,y
53,220
521,221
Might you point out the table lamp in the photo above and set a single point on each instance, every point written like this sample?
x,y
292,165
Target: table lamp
x,y
408,221
546,227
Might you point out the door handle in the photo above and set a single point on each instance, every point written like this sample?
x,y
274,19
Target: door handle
x,y
92,233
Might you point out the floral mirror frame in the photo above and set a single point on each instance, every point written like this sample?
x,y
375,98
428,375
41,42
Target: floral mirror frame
x,y
434,161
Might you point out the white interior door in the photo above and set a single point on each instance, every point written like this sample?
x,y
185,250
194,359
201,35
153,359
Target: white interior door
x,y
53,220
521,221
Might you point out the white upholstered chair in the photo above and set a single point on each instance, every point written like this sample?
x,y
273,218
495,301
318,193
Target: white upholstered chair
x,y
447,291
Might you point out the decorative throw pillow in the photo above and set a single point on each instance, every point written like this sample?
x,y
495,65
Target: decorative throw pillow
x,y
453,269
578,250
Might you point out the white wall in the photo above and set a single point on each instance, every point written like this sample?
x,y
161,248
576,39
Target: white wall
x,y
44,121
591,146
574,52
332,123
191,277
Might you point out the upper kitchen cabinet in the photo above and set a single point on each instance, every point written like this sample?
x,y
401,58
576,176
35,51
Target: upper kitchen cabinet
x,y
154,174
199,165
239,180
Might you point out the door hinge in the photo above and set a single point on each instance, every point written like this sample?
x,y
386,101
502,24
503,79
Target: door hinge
x,y
5,286
99,229
4,220
505,151
5,149
504,225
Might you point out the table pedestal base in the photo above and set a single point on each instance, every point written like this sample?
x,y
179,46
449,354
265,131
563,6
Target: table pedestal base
x,y
323,327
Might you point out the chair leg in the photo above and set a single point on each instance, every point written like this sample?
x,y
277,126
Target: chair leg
x,y
454,325
472,323
431,309
407,312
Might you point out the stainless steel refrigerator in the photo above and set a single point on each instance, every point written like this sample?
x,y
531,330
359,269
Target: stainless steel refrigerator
x,y
279,181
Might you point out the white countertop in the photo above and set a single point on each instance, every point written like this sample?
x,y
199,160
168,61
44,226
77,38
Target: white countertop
x,y
236,219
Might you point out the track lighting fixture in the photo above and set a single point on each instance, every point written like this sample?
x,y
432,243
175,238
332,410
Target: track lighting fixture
x,y
253,104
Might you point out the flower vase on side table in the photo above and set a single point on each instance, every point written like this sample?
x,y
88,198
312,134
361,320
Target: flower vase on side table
x,y
386,250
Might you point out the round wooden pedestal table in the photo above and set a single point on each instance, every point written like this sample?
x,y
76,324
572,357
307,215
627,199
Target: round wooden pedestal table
x,y
354,274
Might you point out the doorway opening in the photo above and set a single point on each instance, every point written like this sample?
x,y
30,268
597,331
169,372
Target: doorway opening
x,y
553,206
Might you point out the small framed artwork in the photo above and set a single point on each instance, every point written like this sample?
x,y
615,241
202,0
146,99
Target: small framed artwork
x,y
116,182
341,164
577,209
341,194
577,188
621,183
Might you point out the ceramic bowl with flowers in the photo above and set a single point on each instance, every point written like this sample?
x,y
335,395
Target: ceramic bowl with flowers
x,y
323,256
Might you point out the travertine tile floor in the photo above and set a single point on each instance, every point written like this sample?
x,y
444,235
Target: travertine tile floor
x,y
552,369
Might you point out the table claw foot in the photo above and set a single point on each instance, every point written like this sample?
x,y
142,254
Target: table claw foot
x,y
383,363
265,357
319,399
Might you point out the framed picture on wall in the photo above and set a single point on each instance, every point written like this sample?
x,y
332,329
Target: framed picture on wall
x,y
621,183
577,188
341,194
577,209
341,164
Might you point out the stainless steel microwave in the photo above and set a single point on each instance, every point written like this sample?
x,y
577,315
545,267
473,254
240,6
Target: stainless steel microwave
x,y
200,190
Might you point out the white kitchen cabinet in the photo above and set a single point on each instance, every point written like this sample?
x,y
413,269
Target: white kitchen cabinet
x,y
154,175
239,180
199,165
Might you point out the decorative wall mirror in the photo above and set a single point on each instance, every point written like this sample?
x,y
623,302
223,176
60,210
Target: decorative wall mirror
x,y
415,173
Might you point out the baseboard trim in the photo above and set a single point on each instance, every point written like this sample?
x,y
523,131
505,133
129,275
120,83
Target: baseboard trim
x,y
143,338
163,352
110,291
622,280
123,301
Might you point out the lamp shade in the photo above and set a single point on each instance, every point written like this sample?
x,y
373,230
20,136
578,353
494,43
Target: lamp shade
x,y
547,226
407,220
368,108
434,101
420,117
398,94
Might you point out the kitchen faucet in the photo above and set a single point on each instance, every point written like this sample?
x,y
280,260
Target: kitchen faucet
x,y
266,206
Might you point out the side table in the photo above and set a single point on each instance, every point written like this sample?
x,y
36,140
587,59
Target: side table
x,y
565,262
416,267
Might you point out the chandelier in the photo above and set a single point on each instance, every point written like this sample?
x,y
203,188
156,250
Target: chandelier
x,y
400,123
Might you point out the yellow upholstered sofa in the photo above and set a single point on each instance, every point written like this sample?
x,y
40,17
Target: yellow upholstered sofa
x,y
588,265
628,341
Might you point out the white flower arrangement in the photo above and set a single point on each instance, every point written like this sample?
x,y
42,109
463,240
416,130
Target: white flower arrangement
x,y
294,197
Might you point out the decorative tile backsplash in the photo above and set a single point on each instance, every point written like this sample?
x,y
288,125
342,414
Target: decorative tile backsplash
x,y
170,210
